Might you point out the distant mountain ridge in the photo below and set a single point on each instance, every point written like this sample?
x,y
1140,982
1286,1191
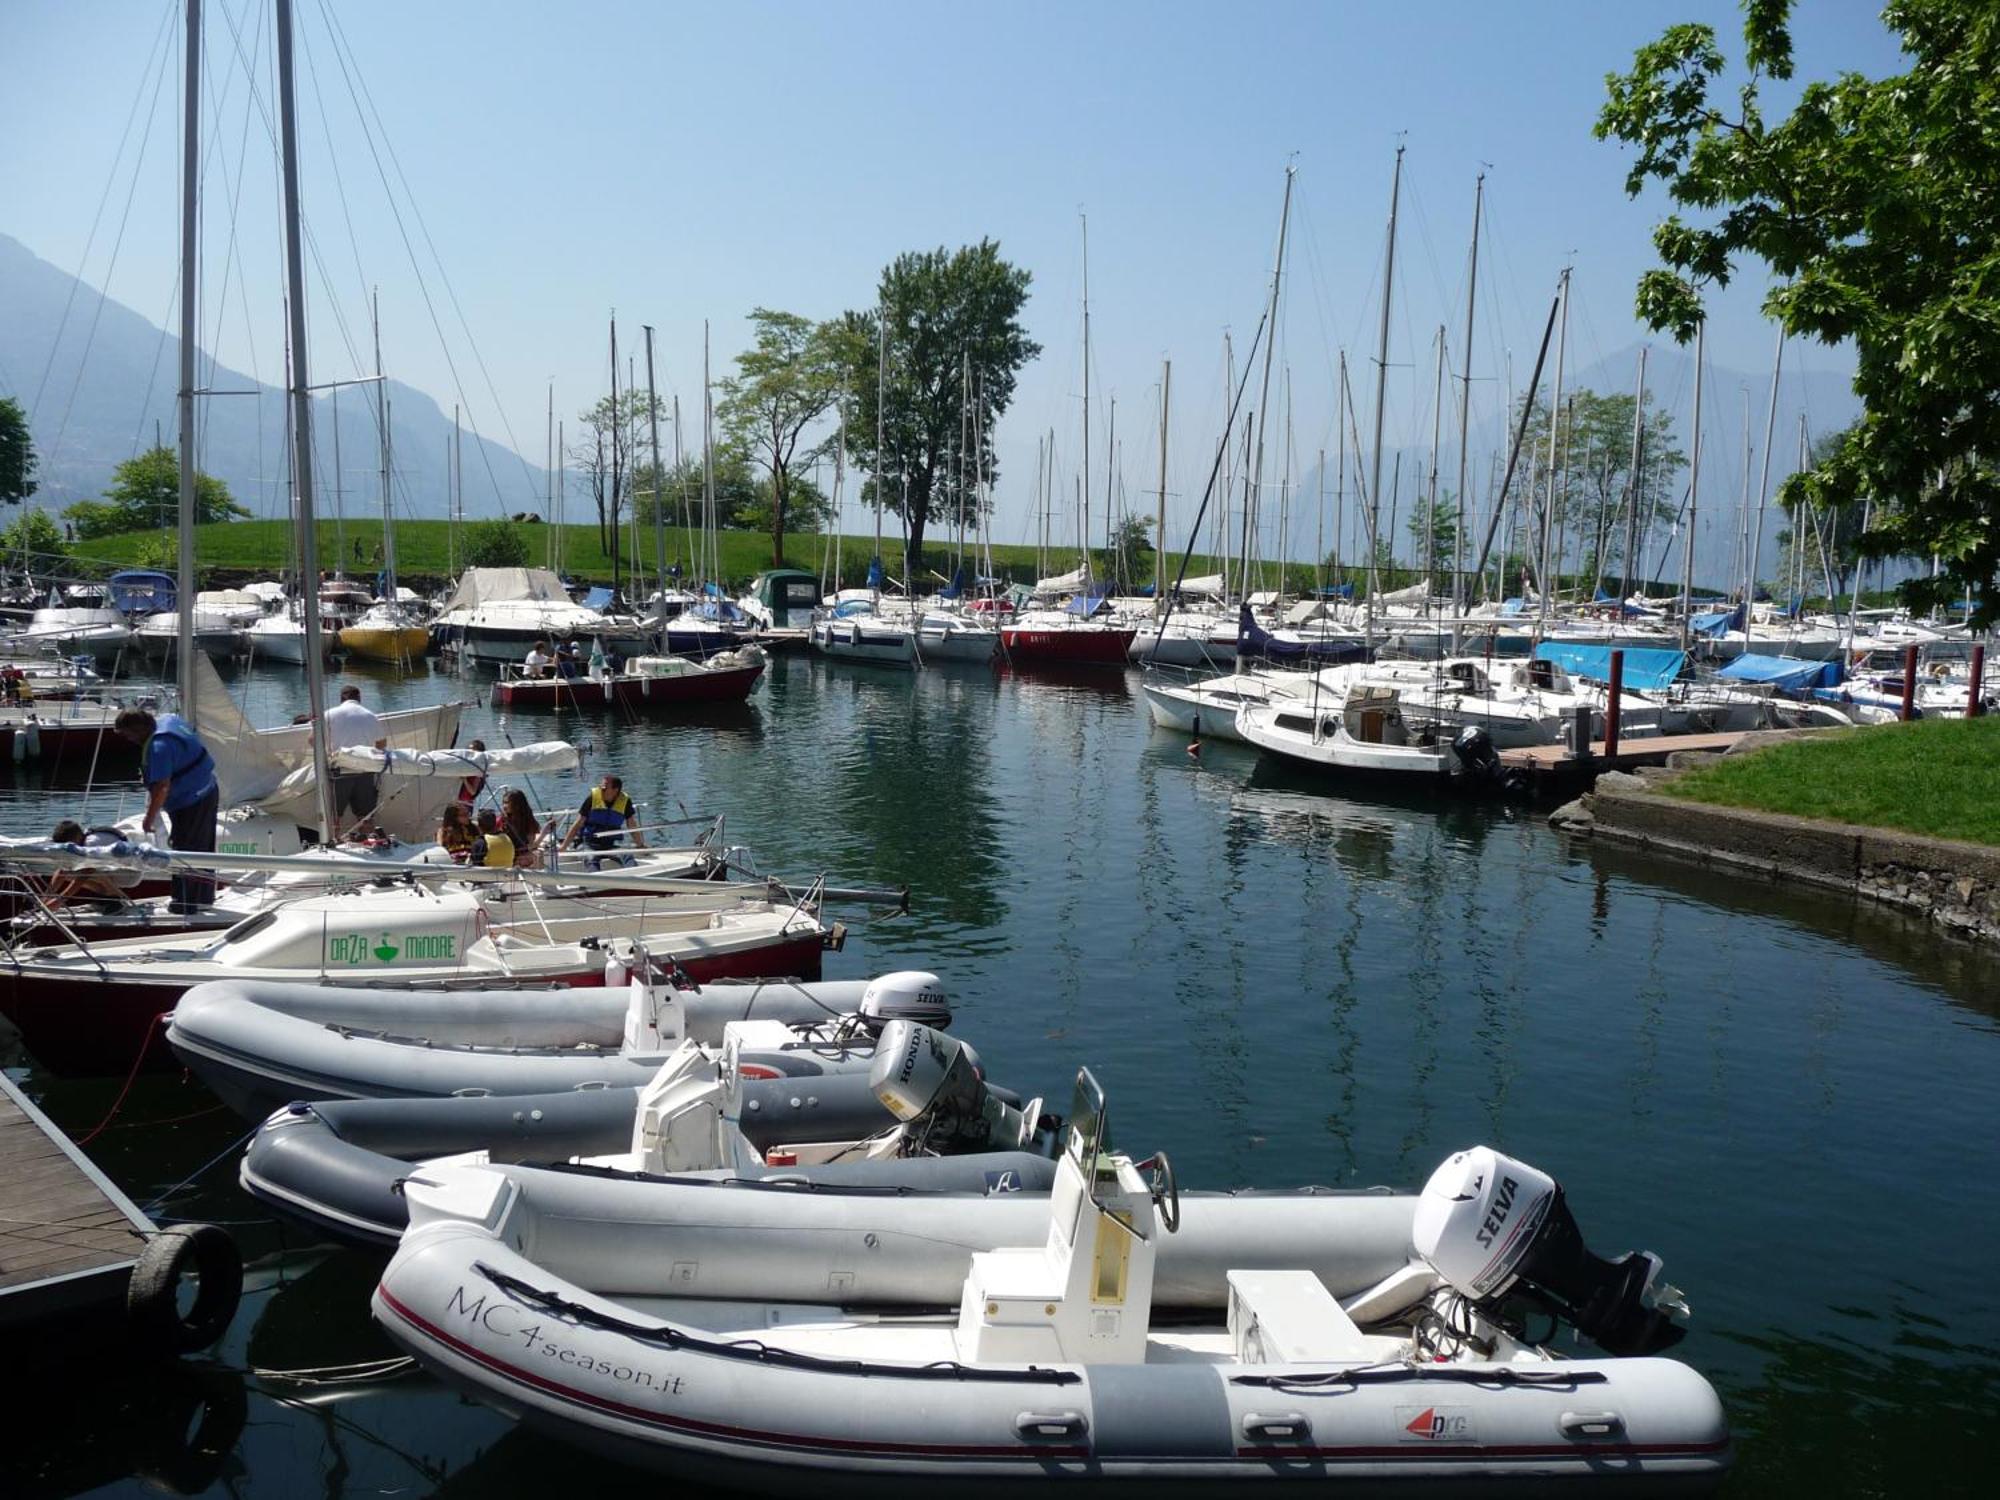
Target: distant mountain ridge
x,y
116,381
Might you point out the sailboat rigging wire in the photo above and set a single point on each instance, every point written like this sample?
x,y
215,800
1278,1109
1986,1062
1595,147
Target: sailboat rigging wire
x,y
1208,491
1520,435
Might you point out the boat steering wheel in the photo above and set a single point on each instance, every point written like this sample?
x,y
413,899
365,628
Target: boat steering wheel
x,y
1166,1190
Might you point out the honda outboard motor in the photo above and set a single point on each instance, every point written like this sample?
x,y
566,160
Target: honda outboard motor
x,y
932,1081
909,995
1497,1229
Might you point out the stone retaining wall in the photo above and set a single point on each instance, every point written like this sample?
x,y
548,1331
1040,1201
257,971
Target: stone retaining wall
x,y
1956,886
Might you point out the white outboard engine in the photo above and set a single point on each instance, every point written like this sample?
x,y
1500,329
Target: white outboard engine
x,y
1497,1229
908,995
932,1081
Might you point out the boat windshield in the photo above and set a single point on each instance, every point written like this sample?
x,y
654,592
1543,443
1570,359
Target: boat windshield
x,y
1090,1130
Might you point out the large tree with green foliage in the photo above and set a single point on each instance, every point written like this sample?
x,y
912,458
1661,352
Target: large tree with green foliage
x,y
785,383
17,453
1873,204
145,495
953,320
1593,489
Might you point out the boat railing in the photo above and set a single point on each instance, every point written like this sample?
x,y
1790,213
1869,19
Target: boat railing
x,y
33,890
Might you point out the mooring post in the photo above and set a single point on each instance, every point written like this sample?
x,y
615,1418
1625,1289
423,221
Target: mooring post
x,y
1612,694
1579,732
1909,683
1975,691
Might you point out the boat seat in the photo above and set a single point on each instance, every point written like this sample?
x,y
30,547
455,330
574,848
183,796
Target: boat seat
x,y
1289,1318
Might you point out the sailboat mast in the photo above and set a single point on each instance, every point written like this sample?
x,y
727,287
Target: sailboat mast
x,y
881,399
1694,485
1465,421
1764,483
1083,475
549,487
1431,505
1340,479
617,473
382,431
1635,490
1256,492
1381,396
1545,583
659,514
302,474
190,271
1160,530
707,457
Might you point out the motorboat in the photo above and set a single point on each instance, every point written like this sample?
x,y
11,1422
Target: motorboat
x,y
1186,639
1113,1329
386,632
854,630
217,633
951,635
498,615
279,636
642,683
99,633
259,1044
91,1007
1207,707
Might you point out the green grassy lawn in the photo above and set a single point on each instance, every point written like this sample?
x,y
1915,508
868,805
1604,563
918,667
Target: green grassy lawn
x,y
239,550
1939,777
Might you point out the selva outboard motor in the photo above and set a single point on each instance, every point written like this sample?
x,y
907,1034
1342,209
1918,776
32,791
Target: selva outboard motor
x,y
1499,1231
922,1075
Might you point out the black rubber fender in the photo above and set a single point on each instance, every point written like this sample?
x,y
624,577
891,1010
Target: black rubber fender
x,y
152,1297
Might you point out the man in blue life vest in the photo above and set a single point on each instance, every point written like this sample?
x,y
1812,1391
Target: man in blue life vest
x,y
180,781
605,817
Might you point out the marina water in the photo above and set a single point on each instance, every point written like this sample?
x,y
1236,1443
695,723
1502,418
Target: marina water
x,y
1791,1097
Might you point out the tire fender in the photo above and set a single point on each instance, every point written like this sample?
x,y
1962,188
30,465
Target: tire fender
x,y
152,1297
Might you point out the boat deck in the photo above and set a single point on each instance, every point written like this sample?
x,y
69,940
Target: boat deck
x,y
68,1236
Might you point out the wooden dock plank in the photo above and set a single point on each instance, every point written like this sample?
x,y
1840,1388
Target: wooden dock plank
x,y
67,1235
1631,752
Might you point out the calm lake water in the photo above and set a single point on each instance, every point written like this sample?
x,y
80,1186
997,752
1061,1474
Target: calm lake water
x,y
1794,1099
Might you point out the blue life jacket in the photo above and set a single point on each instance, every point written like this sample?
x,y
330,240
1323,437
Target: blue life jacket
x,y
193,776
604,821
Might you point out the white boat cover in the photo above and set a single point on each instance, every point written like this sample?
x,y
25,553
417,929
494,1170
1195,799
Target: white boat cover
x,y
514,760
1072,580
477,586
1210,584
1416,593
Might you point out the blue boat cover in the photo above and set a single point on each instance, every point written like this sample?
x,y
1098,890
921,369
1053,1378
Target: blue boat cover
x,y
1648,669
1253,639
1335,591
1510,606
956,587
1090,603
1719,622
139,591
598,599
874,573
1786,673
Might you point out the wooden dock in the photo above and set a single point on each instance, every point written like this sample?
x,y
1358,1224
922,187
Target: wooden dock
x,y
1555,766
68,1236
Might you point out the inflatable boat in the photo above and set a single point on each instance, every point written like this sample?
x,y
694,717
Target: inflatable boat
x,y
1047,1357
261,1045
92,1008
762,1108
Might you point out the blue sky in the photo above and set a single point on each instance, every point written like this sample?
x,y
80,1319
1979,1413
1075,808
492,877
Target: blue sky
x,y
683,163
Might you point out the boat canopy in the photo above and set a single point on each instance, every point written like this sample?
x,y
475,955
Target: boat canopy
x,y
140,592
598,599
1717,622
477,586
1648,669
1786,673
1091,603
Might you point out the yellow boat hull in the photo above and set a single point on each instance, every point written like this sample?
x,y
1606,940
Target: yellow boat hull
x,y
402,646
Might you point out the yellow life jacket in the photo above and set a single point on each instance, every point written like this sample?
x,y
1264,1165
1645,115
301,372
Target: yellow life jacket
x,y
499,851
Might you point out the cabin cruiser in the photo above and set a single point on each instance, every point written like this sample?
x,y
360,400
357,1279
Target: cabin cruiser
x,y
854,629
498,615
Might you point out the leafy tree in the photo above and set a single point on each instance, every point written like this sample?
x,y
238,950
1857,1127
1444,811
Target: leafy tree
x,y
34,541
1131,539
953,320
495,544
1434,530
145,495
1872,204
607,454
1594,475
786,382
17,453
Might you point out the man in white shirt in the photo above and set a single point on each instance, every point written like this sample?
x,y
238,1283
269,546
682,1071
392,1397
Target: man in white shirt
x,y
349,724
538,662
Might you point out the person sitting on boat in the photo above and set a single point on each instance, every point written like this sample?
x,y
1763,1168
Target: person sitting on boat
x,y
180,781
456,833
85,884
14,683
569,659
605,817
519,823
538,661
492,849
469,787
349,725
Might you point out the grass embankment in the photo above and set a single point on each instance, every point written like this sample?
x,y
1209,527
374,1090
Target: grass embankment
x,y
1938,777
425,550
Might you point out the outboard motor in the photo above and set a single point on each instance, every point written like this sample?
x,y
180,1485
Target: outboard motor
x,y
1497,1229
923,1076
1473,747
908,995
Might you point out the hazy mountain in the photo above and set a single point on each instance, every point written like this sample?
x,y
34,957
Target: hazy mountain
x,y
113,377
